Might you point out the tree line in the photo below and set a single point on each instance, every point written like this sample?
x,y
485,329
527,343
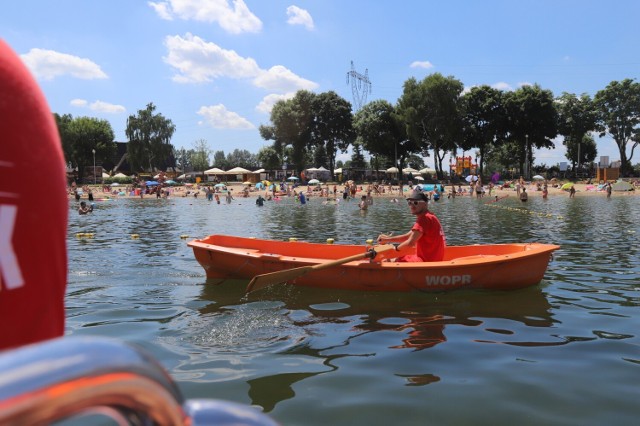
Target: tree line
x,y
432,117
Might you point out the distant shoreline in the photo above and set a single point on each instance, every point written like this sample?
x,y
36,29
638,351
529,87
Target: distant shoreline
x,y
237,190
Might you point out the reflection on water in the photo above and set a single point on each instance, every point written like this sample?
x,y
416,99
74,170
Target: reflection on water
x,y
371,356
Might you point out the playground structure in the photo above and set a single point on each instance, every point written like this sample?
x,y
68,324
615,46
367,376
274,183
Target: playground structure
x,y
464,166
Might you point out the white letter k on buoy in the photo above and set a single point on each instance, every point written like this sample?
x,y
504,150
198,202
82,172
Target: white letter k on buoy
x,y
9,267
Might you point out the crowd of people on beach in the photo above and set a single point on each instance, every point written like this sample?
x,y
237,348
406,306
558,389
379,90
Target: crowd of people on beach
x,y
329,193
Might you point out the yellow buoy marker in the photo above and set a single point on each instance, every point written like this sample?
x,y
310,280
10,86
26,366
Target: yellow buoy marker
x,y
135,236
329,240
184,236
293,239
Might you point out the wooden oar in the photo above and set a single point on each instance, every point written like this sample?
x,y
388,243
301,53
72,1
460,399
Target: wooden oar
x,y
265,280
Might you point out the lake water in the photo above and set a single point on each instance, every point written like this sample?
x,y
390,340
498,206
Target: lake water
x,y
565,352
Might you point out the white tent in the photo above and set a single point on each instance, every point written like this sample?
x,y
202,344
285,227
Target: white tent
x,y
338,171
214,171
120,175
105,175
392,170
322,169
260,171
237,171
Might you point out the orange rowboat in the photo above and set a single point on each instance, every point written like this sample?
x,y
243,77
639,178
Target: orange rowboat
x,y
346,267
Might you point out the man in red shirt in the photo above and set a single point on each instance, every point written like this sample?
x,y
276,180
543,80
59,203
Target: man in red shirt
x,y
426,234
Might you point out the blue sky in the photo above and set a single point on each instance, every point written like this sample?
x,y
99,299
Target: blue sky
x,y
215,67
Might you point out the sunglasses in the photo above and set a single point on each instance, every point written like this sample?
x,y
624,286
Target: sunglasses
x,y
414,202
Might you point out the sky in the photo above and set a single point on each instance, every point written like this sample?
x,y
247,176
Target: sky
x,y
216,67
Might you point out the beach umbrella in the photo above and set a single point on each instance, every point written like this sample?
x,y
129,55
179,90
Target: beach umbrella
x,y
622,186
151,183
181,177
418,178
566,186
219,185
538,177
292,178
313,181
115,184
471,178
259,185
171,182
408,170
392,170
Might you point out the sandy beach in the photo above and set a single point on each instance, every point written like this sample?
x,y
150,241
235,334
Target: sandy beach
x,y
238,191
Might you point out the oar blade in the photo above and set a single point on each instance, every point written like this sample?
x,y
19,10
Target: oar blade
x,y
266,280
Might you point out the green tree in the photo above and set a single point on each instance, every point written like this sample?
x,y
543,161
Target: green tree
x,y
532,122
183,158
382,133
149,137
618,105
583,152
63,121
83,135
332,126
268,158
483,120
320,157
220,160
431,112
242,158
200,155
291,126
577,117
357,157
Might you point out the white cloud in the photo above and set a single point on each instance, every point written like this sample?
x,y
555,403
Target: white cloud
x,y
267,103
467,89
281,79
198,61
524,83
98,106
501,85
49,64
235,20
421,64
162,9
78,103
217,116
298,16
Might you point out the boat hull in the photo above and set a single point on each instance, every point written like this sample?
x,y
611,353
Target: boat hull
x,y
497,266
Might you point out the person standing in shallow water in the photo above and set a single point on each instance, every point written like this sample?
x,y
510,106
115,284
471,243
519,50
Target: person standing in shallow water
x,y
524,196
426,234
